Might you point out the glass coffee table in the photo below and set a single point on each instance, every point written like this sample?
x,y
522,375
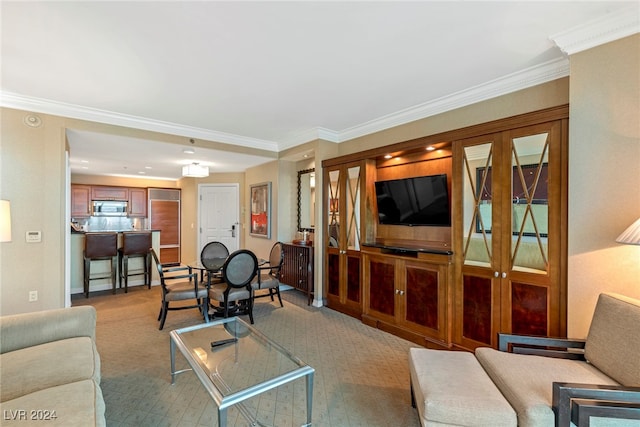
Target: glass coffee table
x,y
235,362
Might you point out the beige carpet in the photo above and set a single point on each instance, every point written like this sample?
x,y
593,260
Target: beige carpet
x,y
361,378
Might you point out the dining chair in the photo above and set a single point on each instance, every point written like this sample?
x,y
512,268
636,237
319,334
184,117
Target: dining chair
x,y
238,272
268,277
180,284
213,257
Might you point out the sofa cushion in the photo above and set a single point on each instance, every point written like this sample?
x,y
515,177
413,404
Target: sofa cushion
x,y
25,330
75,404
526,381
451,388
48,365
613,343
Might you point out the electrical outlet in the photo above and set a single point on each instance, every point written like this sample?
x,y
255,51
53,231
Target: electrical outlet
x,y
33,296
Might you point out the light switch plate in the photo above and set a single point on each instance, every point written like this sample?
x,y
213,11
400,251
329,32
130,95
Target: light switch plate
x,y
33,236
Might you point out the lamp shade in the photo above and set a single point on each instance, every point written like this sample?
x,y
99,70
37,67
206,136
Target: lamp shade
x,y
631,236
194,170
5,221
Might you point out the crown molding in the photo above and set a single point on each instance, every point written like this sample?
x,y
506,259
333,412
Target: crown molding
x,y
543,73
613,26
45,106
309,135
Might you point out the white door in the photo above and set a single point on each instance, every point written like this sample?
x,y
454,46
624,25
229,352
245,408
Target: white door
x,y
218,215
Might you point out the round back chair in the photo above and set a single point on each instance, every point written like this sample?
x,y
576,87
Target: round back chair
x,y
238,272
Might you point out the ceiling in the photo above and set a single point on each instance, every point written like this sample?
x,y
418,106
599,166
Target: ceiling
x,y
268,75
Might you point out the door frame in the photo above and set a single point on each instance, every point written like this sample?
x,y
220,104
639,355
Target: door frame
x,y
199,225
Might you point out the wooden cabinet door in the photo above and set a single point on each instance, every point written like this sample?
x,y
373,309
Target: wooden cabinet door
x,y
347,219
381,287
110,193
137,202
408,295
509,207
424,299
80,201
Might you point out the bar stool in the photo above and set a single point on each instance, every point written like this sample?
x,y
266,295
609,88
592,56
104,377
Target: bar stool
x,y
100,247
135,244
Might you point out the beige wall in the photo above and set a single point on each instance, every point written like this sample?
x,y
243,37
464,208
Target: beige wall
x,y
33,178
121,181
604,176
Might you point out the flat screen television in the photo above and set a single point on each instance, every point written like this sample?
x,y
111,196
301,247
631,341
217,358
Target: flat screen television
x,y
415,201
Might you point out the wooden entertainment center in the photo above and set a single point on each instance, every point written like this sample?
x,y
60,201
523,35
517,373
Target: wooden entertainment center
x,y
499,267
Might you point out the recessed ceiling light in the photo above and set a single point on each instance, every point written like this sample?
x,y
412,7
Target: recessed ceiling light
x,y
388,156
85,167
142,173
84,161
431,148
189,151
148,167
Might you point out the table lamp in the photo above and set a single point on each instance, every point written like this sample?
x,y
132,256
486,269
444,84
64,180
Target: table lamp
x,y
631,236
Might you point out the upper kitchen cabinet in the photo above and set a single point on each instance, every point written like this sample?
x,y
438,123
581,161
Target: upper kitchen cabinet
x,y
137,202
80,201
110,193
509,230
82,195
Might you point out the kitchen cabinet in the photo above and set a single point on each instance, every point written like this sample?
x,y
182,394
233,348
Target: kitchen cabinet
x,y
509,228
110,193
407,294
137,202
80,201
349,218
297,268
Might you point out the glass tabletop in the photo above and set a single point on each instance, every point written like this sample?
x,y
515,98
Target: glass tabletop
x,y
199,266
243,364
217,261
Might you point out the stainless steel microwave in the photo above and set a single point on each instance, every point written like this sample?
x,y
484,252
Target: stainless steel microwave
x,y
109,208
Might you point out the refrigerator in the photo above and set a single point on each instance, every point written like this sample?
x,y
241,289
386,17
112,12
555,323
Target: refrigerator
x,y
164,215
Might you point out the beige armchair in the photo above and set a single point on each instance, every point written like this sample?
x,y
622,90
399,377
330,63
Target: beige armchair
x,y
538,382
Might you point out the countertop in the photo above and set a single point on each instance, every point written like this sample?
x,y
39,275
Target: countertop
x,y
109,231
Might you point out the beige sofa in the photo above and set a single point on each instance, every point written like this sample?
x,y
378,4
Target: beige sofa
x,y
50,369
536,381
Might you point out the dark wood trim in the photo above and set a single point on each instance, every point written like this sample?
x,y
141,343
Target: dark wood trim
x,y
565,394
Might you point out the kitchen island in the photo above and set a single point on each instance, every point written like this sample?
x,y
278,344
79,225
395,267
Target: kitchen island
x,y
77,265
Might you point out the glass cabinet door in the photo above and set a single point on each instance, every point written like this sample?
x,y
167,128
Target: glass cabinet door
x,y
352,247
333,234
477,285
509,237
531,254
344,225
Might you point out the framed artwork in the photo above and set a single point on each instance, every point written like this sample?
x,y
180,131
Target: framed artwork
x,y
261,210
